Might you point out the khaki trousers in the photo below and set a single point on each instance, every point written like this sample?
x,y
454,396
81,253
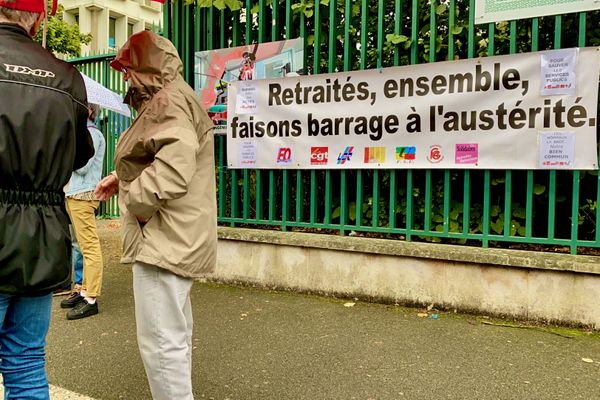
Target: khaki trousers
x,y
83,218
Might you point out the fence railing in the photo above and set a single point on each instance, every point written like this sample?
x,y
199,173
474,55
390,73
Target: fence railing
x,y
531,209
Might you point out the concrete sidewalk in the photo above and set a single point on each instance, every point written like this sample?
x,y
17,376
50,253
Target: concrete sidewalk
x,y
253,344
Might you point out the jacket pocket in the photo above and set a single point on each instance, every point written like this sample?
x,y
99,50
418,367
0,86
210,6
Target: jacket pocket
x,y
131,234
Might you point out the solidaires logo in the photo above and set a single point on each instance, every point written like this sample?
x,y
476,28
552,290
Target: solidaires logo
x,y
23,70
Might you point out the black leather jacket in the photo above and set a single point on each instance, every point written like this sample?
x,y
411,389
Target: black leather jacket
x,y
43,138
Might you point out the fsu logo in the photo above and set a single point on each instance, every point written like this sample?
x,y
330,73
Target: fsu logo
x,y
319,155
435,154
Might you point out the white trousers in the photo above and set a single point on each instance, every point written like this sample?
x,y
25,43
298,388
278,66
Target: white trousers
x,y
163,316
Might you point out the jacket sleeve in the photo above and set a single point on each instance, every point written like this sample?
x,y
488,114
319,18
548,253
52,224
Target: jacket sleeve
x,y
84,147
98,142
169,175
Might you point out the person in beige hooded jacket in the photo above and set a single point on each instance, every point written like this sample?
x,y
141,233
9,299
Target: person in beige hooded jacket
x,y
164,173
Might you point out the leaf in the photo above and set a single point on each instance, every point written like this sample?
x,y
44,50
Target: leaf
x,y
498,226
336,213
349,304
514,227
352,211
494,210
520,212
539,189
442,8
457,30
396,39
587,360
220,4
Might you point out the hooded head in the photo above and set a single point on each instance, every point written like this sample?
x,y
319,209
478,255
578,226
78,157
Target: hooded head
x,y
149,63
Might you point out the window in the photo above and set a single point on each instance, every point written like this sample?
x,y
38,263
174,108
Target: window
x,y
112,27
129,30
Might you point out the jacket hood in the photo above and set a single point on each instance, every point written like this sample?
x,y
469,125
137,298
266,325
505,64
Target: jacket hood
x,y
152,62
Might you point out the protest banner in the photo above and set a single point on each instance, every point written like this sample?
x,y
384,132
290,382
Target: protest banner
x,y
524,111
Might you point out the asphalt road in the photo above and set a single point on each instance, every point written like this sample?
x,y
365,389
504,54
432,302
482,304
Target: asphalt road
x,y
253,344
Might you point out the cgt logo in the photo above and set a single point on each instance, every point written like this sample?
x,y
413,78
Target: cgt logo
x,y
284,156
346,155
319,155
20,69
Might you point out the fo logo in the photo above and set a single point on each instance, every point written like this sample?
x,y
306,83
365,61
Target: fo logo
x,y
319,155
284,156
435,154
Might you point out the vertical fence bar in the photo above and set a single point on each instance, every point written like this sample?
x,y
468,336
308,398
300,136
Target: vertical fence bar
x,y
359,198
285,201
397,29
451,25
347,44
249,21
272,195
317,45
288,19
313,196
447,197
392,200
575,212
299,197
328,197
375,201
222,182
414,32
262,27
246,195
234,195
432,31
380,32
258,198
364,14
343,203
428,208
409,205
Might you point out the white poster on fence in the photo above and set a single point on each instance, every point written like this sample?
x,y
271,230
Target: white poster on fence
x,y
486,113
507,10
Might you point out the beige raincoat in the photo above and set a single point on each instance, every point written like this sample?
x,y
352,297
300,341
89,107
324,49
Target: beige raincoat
x,y
165,164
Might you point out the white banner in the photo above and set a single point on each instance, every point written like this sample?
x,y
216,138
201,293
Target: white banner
x,y
507,10
524,111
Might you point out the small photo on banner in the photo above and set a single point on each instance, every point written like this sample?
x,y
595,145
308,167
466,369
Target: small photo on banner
x,y
374,155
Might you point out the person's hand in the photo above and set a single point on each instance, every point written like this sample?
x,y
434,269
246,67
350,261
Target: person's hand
x,y
107,188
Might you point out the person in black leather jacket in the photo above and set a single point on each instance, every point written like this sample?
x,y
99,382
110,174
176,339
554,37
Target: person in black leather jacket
x,y
43,138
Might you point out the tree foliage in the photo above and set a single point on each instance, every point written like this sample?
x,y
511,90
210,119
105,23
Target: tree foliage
x,y
62,37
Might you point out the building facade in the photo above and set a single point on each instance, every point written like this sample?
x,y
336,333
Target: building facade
x,y
111,22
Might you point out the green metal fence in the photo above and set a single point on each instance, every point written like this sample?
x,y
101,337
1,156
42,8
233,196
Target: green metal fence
x,y
552,209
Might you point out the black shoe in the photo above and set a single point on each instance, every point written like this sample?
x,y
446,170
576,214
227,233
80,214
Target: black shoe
x,y
71,301
83,309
